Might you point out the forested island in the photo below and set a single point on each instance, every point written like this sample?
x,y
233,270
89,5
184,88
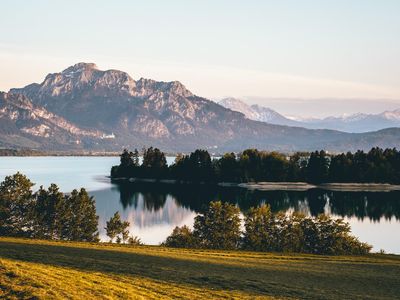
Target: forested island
x,y
252,165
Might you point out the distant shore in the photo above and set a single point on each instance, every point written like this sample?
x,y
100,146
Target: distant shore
x,y
36,153
281,186
304,186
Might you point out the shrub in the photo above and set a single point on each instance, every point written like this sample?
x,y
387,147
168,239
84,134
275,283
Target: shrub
x,y
218,227
181,237
295,232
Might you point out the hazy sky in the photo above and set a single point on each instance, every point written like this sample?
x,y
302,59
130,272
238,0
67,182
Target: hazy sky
x,y
262,51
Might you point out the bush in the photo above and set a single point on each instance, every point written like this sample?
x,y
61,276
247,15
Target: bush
x,y
134,241
181,237
218,227
298,233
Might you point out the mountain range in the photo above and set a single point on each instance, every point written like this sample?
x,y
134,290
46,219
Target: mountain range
x,y
85,108
356,123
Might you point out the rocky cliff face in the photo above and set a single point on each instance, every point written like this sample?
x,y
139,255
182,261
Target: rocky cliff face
x,y
145,112
34,124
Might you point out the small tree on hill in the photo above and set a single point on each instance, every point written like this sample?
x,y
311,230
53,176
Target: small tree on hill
x,y
16,203
83,220
181,237
117,228
219,227
260,229
51,213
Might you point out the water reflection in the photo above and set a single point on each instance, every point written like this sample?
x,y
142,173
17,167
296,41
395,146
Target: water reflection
x,y
154,210
362,205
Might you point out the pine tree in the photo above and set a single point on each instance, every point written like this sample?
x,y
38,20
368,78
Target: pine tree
x,y
115,227
50,213
83,221
126,159
135,158
16,204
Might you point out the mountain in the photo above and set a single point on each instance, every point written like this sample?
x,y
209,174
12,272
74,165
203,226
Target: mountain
x,y
119,112
25,124
258,113
356,123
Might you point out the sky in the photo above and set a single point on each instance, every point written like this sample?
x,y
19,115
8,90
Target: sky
x,y
309,58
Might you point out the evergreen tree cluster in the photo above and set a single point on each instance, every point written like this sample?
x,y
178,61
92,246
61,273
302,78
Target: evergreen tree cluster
x,y
375,166
46,214
220,228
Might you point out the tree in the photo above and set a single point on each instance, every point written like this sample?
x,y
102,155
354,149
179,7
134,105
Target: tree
x,y
181,237
51,213
134,241
16,204
318,167
154,158
135,158
260,229
126,159
228,168
250,165
200,166
297,166
340,168
274,166
218,227
83,221
115,227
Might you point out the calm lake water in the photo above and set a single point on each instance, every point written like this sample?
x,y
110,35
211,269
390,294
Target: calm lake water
x,y
155,210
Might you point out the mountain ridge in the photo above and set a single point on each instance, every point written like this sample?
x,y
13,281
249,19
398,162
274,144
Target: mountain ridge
x,y
354,123
146,112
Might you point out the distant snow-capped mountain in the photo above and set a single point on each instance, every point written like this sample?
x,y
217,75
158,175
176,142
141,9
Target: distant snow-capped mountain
x,y
355,123
257,113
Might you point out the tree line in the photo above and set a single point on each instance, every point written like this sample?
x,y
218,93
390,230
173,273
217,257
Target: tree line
x,y
50,214
220,228
377,165
47,213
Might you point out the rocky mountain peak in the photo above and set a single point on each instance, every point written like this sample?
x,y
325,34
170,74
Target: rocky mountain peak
x,y
82,77
146,87
80,67
86,77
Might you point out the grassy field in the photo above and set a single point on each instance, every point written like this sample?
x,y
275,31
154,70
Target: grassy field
x,y
32,269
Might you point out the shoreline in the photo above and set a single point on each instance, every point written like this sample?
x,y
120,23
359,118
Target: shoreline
x,y
278,186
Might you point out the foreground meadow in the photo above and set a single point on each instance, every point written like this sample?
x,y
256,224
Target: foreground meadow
x,y
34,269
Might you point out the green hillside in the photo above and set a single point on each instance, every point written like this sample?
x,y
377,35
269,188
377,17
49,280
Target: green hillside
x,y
33,269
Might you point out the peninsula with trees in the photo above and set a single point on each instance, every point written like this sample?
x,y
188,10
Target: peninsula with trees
x,y
375,170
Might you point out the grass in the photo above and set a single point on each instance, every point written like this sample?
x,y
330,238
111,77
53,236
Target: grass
x,y
33,269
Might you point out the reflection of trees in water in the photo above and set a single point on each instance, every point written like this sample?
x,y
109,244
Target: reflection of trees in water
x,y
153,199
129,197
373,206
362,205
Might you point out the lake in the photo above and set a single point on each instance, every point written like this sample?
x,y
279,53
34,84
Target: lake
x,y
154,210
